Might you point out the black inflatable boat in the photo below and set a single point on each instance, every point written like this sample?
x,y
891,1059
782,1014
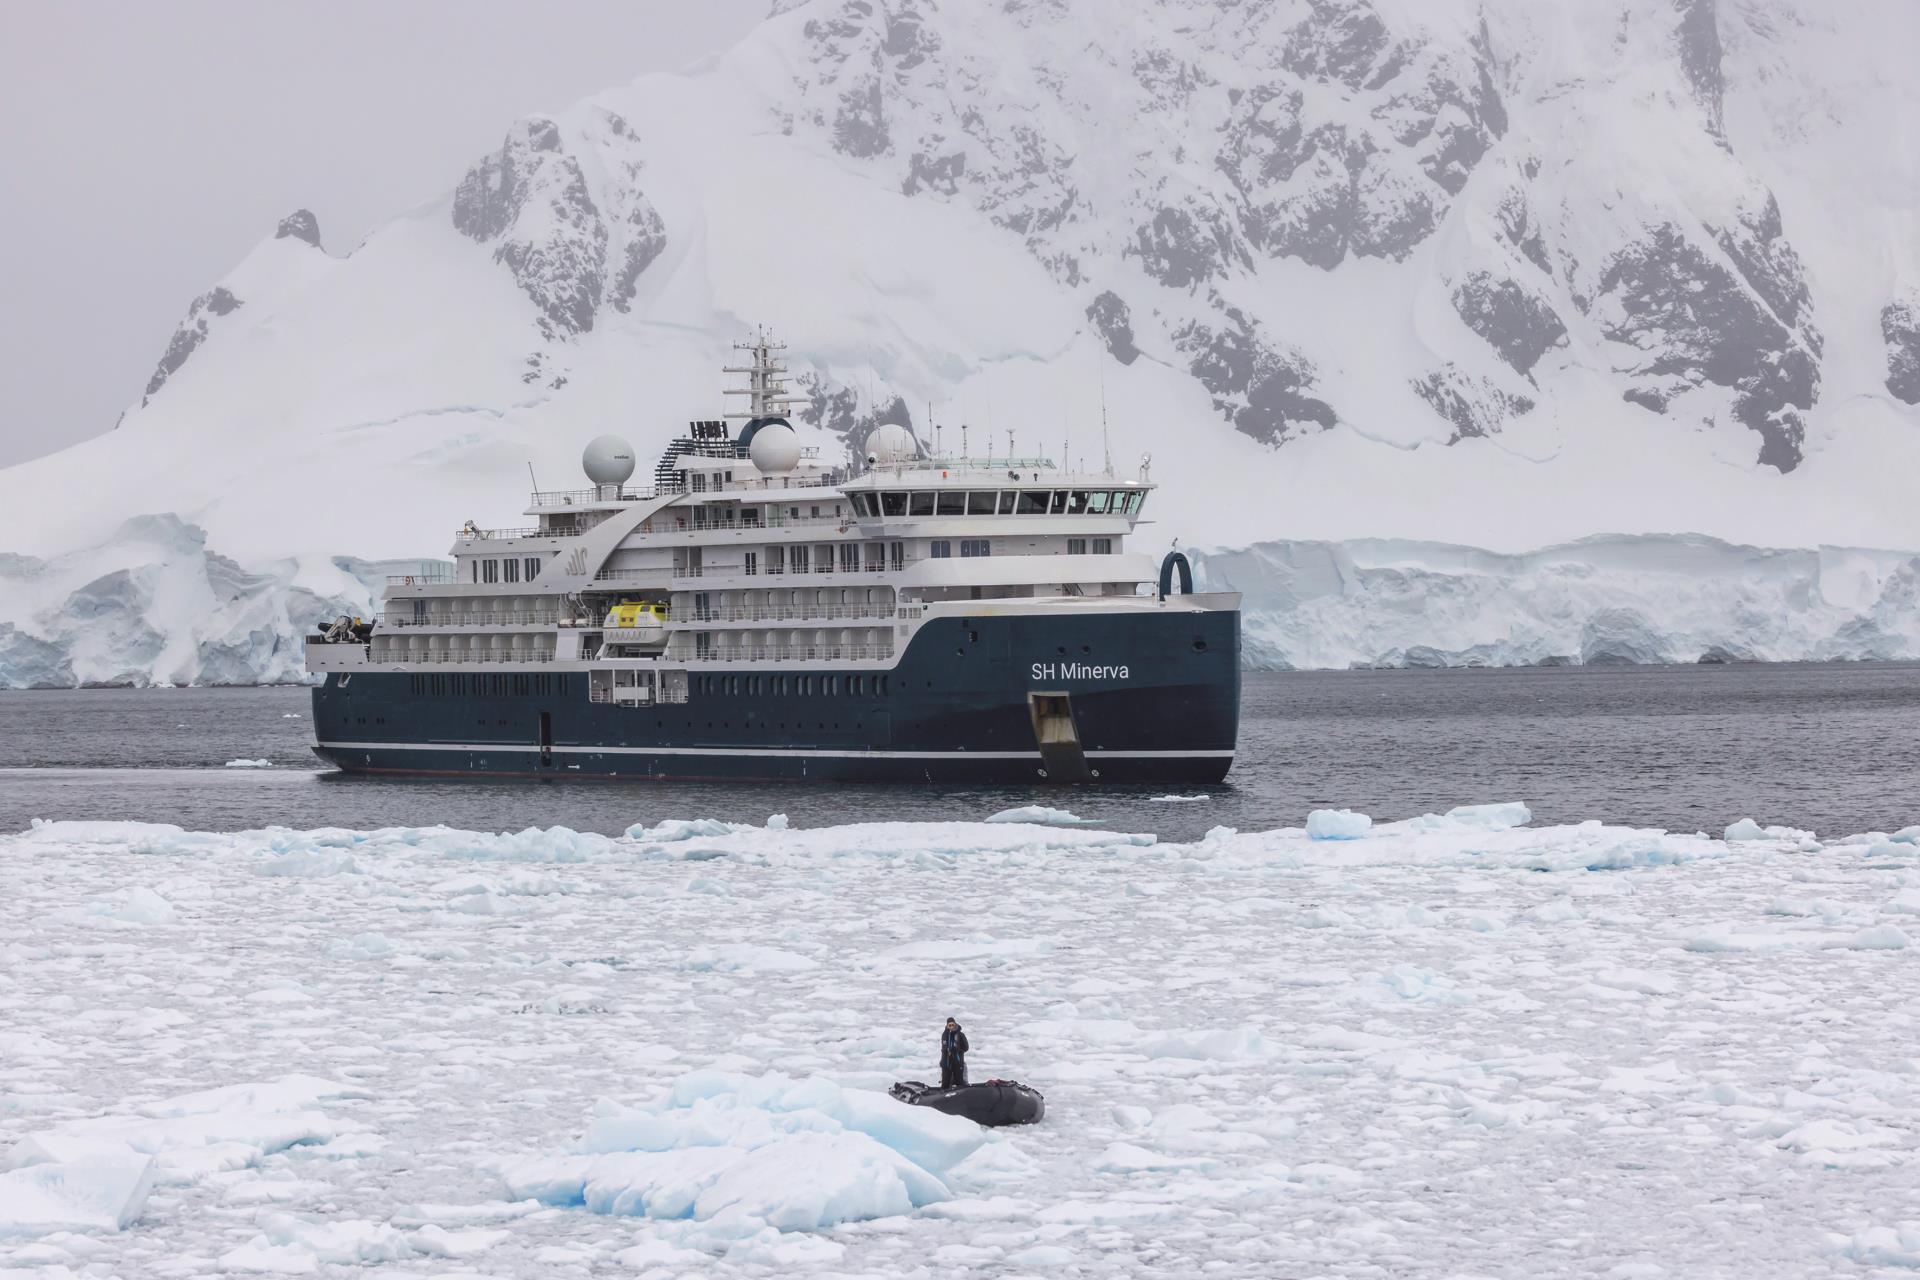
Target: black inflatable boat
x,y
992,1103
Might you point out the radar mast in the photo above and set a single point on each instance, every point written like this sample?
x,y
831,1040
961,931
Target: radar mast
x,y
766,390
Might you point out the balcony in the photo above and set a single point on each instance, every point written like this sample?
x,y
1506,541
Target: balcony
x,y
764,571
793,653
787,613
485,618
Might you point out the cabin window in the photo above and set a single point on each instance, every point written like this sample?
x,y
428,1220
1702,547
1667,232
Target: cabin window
x,y
981,504
952,503
893,504
816,511
489,571
750,563
921,503
1103,546
857,686
897,554
973,548
942,549
849,557
510,570
533,567
1097,502
823,563
1033,502
800,559
1076,546
476,569
833,686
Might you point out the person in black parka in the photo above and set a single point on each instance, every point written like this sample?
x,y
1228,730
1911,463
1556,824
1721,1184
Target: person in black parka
x,y
953,1056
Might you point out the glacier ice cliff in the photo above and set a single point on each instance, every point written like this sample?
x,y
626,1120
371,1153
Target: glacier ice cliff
x,y
1376,602
154,605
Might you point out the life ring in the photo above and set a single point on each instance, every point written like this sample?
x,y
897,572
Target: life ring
x,y
409,581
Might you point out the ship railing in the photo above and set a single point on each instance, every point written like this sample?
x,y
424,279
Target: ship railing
x,y
794,653
427,575
501,535
789,571
682,522
588,497
787,613
485,618
432,657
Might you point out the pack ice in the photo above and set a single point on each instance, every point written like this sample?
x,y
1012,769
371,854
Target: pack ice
x,y
1429,1044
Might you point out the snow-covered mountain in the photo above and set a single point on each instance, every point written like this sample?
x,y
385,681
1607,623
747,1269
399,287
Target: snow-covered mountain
x,y
1492,272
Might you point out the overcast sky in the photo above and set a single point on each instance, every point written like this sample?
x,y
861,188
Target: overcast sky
x,y
148,147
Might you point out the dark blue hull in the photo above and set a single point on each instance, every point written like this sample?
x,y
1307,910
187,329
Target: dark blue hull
x,y
1152,697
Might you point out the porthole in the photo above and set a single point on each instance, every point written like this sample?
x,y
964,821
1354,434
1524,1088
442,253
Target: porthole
x,y
1199,644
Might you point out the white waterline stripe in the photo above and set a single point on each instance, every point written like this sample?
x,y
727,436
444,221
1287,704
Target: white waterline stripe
x,y
759,751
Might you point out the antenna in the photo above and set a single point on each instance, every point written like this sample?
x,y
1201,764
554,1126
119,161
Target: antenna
x,y
1106,449
963,440
530,476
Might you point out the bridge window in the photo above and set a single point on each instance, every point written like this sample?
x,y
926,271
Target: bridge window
x,y
921,503
952,503
1097,502
1007,500
893,504
1077,502
1033,502
982,504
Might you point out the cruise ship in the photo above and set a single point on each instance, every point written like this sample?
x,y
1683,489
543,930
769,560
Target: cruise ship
x,y
757,612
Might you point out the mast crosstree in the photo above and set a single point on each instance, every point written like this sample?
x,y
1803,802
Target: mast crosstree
x,y
766,390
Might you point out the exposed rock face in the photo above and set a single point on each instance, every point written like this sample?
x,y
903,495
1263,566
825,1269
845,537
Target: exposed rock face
x,y
1700,322
532,201
299,225
1900,326
1514,318
840,409
1699,39
1475,406
1260,387
192,332
1110,317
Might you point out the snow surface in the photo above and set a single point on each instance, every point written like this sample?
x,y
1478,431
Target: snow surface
x,y
1440,1045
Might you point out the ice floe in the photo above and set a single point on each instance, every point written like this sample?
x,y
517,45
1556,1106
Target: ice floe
x,y
1450,1037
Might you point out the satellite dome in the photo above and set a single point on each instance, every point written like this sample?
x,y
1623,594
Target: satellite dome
x,y
892,444
608,460
775,450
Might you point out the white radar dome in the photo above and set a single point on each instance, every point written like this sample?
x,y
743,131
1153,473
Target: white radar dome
x,y
891,445
775,450
608,460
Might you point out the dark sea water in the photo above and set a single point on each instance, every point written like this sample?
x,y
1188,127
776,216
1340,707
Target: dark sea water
x,y
1834,748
